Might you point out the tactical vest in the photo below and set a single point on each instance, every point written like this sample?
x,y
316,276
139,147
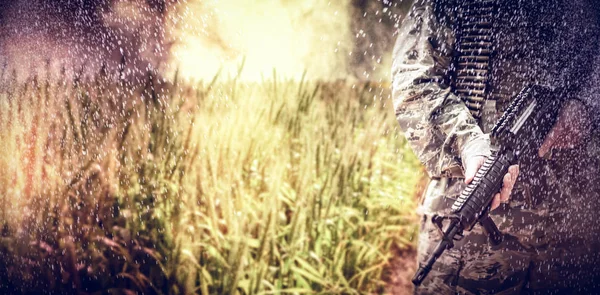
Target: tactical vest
x,y
474,31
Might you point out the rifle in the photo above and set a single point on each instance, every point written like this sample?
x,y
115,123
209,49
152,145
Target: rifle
x,y
516,138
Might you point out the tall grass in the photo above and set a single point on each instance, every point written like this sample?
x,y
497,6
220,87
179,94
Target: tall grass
x,y
279,187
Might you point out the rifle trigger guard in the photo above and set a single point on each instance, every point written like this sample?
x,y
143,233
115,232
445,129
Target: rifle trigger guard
x,y
438,221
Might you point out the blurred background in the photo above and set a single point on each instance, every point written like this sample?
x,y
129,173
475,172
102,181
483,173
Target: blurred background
x,y
327,39
212,147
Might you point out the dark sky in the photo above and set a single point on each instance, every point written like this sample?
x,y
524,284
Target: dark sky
x,y
95,32
377,21
82,32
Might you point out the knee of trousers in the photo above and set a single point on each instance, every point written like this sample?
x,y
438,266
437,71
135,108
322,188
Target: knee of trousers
x,y
471,267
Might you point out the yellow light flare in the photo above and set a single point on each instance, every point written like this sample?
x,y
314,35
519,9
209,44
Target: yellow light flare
x,y
290,36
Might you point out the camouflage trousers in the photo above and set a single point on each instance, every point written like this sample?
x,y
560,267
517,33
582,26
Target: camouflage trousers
x,y
552,225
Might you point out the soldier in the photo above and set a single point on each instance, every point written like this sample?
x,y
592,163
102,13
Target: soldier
x,y
457,65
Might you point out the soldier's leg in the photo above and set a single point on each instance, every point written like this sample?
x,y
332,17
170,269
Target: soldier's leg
x,y
444,274
491,270
569,261
472,267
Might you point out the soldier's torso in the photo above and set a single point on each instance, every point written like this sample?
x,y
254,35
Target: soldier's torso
x,y
553,209
535,41
551,43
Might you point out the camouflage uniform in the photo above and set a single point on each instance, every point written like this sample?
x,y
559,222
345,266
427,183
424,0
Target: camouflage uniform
x,y
552,220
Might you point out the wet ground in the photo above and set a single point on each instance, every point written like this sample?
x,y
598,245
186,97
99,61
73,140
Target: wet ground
x,y
402,268
404,265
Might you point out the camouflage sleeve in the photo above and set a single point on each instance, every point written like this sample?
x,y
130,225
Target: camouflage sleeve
x,y
436,123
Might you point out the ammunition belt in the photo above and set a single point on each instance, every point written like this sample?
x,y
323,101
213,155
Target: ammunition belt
x,y
474,32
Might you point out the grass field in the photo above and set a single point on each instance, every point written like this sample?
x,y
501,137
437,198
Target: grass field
x,y
278,187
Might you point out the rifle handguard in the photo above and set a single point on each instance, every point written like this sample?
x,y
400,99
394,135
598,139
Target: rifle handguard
x,y
480,192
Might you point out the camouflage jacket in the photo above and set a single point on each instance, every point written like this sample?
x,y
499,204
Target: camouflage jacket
x,y
550,42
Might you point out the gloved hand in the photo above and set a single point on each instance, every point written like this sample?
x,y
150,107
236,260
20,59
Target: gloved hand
x,y
472,165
